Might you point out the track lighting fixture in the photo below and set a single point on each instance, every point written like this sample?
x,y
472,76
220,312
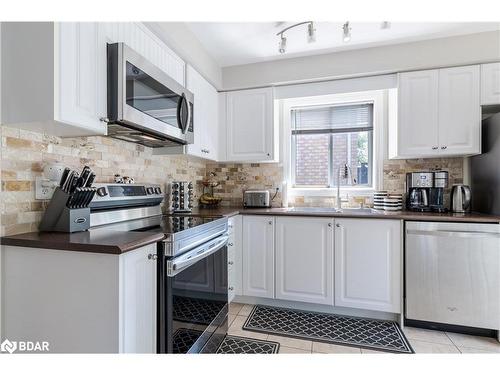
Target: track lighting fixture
x,y
346,32
282,48
311,34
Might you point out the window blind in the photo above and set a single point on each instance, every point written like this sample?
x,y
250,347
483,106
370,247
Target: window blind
x,y
332,119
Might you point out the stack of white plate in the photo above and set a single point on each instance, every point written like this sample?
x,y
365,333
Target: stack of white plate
x,y
379,199
393,202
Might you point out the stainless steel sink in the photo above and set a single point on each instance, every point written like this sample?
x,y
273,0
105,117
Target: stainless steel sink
x,y
314,209
364,210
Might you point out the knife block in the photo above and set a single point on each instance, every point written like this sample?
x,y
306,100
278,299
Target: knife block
x,y
59,218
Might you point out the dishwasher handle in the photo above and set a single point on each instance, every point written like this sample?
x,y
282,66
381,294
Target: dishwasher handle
x,y
453,233
178,265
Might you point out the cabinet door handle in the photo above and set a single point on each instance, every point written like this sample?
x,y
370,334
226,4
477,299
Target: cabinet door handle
x,y
104,119
270,222
337,225
230,288
444,147
268,154
230,263
230,244
329,224
435,147
152,256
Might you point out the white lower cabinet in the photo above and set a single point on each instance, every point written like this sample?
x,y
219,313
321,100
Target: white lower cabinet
x,y
258,256
368,264
138,301
304,259
80,302
234,257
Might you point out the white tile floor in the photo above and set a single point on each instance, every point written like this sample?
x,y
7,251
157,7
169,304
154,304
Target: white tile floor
x,y
422,340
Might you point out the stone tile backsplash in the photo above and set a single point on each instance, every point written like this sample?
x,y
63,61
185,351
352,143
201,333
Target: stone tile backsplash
x,y
24,155
235,178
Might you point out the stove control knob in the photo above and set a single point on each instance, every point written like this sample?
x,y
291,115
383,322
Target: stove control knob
x,y
102,191
190,185
157,190
149,190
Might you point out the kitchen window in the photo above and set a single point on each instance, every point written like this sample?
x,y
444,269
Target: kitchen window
x,y
325,138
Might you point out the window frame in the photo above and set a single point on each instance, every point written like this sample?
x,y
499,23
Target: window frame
x,y
378,149
331,172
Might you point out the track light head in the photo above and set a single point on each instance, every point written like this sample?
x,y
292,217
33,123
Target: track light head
x,y
346,37
282,45
311,33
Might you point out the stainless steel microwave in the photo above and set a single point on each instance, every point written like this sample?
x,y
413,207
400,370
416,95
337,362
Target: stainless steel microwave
x,y
145,105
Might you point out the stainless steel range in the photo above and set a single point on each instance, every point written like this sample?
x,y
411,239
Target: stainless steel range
x,y
192,288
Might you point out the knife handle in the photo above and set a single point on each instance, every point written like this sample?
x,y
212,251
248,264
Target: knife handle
x,y
90,180
64,176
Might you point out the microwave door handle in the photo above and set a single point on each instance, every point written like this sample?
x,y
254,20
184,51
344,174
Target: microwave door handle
x,y
188,121
176,266
183,126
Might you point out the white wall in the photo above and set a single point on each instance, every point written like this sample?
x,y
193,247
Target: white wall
x,y
435,53
178,37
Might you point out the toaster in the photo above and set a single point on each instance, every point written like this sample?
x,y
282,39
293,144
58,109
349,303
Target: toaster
x,y
256,198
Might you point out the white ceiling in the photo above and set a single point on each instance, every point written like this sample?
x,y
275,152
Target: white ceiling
x,y
250,42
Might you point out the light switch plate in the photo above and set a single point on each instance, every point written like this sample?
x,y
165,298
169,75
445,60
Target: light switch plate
x,y
44,189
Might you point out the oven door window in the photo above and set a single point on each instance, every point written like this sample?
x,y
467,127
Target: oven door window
x,y
149,96
199,296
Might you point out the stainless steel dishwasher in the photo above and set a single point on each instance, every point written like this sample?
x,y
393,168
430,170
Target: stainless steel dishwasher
x,y
453,273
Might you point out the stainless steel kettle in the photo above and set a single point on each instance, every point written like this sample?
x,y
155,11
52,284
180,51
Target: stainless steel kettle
x,y
460,198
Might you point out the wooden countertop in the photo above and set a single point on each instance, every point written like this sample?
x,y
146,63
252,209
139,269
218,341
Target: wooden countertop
x,y
100,241
472,217
118,242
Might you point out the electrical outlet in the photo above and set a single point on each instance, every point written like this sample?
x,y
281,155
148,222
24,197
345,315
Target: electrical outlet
x,y
44,189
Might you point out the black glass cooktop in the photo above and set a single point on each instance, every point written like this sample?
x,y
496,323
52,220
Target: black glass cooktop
x,y
172,224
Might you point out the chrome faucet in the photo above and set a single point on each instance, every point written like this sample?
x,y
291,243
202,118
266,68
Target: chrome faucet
x,y
342,174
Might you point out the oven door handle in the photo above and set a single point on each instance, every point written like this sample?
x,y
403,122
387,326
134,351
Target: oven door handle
x,y
176,266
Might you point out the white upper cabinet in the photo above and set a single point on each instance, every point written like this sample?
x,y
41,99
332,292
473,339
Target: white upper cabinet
x,y
490,83
206,116
438,114
49,78
81,100
304,259
54,74
417,130
368,264
459,111
146,43
258,256
250,131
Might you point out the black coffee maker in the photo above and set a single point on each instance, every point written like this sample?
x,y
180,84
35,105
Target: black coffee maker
x,y
418,185
425,191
